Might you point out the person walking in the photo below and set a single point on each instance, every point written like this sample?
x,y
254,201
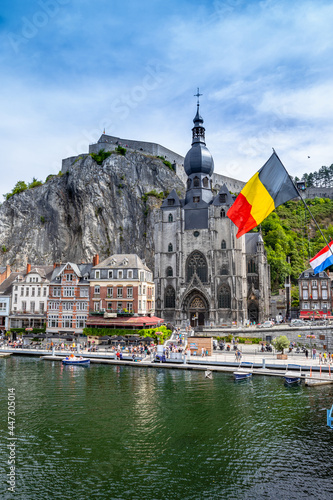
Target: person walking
x,y
306,353
314,352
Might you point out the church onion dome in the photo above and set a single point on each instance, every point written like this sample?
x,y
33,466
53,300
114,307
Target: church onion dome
x,y
198,159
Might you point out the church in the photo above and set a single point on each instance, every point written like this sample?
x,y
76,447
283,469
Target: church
x,y
204,275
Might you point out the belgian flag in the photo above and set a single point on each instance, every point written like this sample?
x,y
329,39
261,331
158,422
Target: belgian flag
x,y
266,190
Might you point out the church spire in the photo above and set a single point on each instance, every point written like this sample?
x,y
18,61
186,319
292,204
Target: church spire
x,y
198,131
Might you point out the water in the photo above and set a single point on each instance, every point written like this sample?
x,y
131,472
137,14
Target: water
x,y
107,432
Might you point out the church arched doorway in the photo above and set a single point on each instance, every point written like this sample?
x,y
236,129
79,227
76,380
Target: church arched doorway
x,y
196,308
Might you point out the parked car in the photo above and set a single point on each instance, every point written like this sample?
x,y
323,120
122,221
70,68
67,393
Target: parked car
x,y
266,324
298,322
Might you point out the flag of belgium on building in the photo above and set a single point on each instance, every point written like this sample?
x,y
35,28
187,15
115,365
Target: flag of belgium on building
x,y
266,190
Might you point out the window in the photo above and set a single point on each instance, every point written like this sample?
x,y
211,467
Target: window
x,y
24,305
97,275
81,321
32,306
170,297
119,292
222,213
32,292
205,182
130,274
84,292
27,291
130,307
196,264
22,291
222,198
142,276
120,275
196,199
69,291
67,320
224,297
189,182
305,305
314,284
54,306
170,218
324,284
96,306
2,306
56,291
225,269
15,298
39,291
41,307
109,306
129,292
139,305
170,247
315,294
169,271
251,266
119,306
324,294
143,305
139,289
82,306
97,290
44,292
110,274
109,292
305,284
171,202
196,182
69,277
53,321
223,244
67,306
305,294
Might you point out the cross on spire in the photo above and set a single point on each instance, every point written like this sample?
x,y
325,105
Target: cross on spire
x,y
197,95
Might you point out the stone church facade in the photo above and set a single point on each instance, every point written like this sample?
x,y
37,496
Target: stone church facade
x,y
204,275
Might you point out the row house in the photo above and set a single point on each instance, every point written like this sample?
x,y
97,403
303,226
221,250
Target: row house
x,y
122,283
5,301
68,301
29,297
315,295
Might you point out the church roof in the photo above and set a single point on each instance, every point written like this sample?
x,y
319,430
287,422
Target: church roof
x,y
198,158
172,196
228,197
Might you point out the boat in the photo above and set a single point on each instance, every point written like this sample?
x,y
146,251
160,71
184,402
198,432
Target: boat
x,y
330,418
73,360
208,374
293,378
243,372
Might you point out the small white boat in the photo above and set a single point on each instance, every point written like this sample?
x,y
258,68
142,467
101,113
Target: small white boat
x,y
244,371
208,374
292,378
73,360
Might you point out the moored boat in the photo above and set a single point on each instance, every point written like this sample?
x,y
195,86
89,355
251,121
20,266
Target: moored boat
x,y
73,360
243,372
292,378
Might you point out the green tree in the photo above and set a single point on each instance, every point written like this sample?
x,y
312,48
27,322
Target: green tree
x,y
281,343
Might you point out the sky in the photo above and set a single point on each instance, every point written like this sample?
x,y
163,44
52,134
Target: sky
x,y
72,68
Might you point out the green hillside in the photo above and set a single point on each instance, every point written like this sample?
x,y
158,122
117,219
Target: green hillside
x,y
291,232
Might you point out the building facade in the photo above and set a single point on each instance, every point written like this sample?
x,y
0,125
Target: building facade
x,y
315,295
204,275
68,303
122,283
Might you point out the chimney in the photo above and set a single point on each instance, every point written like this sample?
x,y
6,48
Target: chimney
x,y
97,259
7,271
28,268
94,261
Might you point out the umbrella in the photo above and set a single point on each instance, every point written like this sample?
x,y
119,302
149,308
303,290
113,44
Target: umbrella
x,y
105,337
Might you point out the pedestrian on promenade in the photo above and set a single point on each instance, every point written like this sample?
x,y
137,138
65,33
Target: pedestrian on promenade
x,y
314,353
320,358
306,353
325,357
202,352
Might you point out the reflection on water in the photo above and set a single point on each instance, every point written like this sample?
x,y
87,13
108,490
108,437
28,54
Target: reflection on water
x,y
119,432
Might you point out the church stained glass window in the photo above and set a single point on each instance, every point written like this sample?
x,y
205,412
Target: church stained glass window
x,y
196,263
170,297
169,271
223,244
170,247
222,213
224,297
170,218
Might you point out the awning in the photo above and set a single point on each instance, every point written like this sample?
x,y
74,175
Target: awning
x,y
137,322
317,314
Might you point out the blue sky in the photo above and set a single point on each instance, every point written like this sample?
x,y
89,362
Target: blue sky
x,y
69,68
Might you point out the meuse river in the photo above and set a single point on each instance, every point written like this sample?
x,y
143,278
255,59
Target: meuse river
x,y
117,432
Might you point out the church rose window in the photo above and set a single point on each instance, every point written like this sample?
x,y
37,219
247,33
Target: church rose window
x,y
196,263
170,297
170,218
224,297
169,271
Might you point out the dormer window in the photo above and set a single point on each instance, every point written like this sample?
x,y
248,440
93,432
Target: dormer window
x,y
196,199
113,262
222,198
171,202
97,275
120,275
110,274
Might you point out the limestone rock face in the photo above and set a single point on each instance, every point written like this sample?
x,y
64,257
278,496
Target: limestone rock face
x,y
90,209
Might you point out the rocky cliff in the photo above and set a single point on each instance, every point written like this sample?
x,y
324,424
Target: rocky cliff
x,y
90,209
